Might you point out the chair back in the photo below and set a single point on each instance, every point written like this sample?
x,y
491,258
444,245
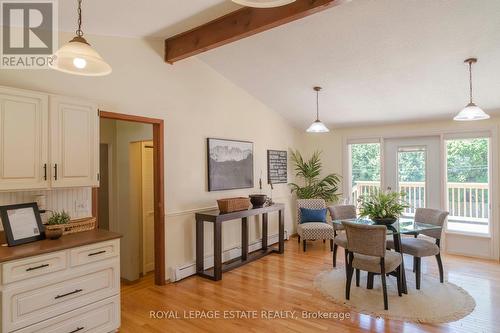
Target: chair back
x,y
431,216
366,239
309,204
342,212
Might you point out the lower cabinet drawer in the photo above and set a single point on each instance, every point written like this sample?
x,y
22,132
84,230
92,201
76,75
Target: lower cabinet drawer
x,y
32,267
34,302
94,252
100,317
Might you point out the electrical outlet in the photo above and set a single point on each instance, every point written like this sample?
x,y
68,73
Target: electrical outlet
x,y
81,206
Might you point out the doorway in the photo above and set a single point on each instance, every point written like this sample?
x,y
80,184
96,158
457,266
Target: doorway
x,y
413,166
157,217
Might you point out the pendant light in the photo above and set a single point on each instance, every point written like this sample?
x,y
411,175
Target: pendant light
x,y
471,111
78,57
263,3
317,126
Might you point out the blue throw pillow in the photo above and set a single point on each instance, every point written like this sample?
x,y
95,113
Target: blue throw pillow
x,y
312,215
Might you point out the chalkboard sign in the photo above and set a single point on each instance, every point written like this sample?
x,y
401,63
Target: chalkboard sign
x,y
277,166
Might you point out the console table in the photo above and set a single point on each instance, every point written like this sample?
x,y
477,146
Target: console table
x,y
218,219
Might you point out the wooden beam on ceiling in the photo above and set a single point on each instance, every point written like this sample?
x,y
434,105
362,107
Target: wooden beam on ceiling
x,y
239,24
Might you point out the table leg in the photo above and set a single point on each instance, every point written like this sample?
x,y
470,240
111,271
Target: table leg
x,y
397,247
217,251
281,216
199,246
244,238
264,231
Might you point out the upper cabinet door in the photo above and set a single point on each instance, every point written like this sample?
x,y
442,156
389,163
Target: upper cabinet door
x,y
23,139
74,142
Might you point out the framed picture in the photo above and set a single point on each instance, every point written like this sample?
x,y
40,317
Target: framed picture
x,y
277,167
22,223
230,164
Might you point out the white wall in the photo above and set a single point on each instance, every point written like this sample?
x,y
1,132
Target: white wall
x,y
196,102
333,147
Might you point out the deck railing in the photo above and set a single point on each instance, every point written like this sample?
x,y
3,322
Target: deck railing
x,y
466,201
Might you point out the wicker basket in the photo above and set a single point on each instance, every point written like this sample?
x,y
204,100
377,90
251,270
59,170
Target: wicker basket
x,y
74,226
233,204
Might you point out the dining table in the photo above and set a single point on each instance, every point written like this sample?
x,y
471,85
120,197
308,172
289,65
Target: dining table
x,y
402,226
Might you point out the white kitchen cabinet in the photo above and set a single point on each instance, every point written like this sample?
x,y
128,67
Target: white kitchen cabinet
x,y
74,135
23,139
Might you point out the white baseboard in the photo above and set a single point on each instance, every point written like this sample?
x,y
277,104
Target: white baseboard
x,y
181,272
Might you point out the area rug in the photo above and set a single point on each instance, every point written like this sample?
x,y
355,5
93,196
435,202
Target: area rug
x,y
434,303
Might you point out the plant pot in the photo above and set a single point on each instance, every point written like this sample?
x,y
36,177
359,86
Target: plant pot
x,y
258,200
385,220
53,233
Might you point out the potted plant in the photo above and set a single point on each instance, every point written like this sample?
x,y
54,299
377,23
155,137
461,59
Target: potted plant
x,y
314,186
55,224
382,207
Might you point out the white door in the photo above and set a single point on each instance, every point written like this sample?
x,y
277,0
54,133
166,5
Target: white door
x,y
23,139
75,142
413,166
148,216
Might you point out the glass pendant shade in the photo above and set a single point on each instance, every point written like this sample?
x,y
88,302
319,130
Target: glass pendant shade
x,y
263,3
78,57
317,127
471,112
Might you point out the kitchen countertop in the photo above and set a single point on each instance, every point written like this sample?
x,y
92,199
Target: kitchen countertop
x,y
48,245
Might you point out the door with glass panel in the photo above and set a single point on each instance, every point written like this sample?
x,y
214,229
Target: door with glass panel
x,y
413,166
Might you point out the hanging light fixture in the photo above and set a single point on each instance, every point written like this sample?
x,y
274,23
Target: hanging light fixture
x,y
263,3
317,126
78,57
471,111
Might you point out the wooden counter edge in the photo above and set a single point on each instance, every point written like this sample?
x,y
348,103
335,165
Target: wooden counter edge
x,y
63,243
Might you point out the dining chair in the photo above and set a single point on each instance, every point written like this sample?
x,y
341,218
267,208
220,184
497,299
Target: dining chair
x,y
340,212
418,247
367,252
313,230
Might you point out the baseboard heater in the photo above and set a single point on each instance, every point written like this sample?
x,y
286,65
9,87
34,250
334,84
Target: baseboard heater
x,y
181,272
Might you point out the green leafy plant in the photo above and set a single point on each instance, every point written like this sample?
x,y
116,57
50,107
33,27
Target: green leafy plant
x,y
382,205
314,186
59,218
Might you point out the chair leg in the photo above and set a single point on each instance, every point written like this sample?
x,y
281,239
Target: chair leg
x,y
298,239
357,277
369,281
349,271
346,253
304,245
384,286
398,279
440,265
331,245
335,247
417,271
414,265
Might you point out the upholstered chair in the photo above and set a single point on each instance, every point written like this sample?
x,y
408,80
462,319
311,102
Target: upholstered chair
x,y
418,247
367,252
340,212
313,230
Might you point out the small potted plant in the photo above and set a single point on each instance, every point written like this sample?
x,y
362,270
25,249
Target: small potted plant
x,y
55,224
382,207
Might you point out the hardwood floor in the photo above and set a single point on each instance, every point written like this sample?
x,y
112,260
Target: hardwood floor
x,y
284,283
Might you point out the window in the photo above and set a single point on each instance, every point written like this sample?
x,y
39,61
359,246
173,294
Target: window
x,y
467,184
411,177
365,169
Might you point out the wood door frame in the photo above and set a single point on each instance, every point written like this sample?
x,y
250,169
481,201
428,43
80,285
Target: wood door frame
x,y
159,189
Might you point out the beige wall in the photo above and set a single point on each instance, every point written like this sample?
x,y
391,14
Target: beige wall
x,y
196,102
332,145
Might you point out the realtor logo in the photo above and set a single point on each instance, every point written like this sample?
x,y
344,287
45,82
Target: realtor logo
x,y
29,33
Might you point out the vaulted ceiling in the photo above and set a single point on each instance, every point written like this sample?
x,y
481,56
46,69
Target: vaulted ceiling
x,y
378,61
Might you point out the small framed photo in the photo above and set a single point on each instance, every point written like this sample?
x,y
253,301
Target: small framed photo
x,y
22,223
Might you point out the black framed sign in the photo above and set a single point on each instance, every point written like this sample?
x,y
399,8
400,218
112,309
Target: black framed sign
x,y
277,166
230,164
22,223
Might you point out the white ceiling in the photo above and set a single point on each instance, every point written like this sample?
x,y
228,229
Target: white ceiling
x,y
378,61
